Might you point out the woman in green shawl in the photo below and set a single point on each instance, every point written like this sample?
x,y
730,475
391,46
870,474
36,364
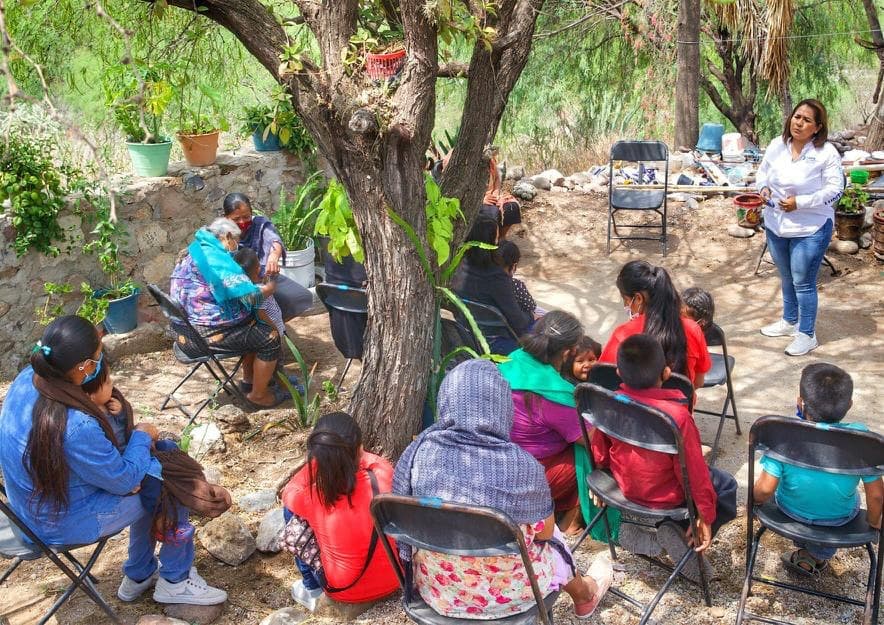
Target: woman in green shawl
x,y
545,421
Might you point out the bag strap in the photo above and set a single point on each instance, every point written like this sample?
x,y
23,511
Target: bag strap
x,y
372,545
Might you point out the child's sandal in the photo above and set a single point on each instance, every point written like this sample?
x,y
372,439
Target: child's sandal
x,y
793,561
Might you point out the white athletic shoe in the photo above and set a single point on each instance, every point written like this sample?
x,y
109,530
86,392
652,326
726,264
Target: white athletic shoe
x,y
130,590
780,328
307,598
193,591
802,344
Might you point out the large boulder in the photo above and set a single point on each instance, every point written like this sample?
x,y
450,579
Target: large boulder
x,y
228,539
269,539
259,501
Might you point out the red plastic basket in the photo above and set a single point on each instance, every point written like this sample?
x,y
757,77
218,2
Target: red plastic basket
x,y
381,66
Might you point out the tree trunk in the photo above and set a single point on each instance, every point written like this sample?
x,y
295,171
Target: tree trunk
x,y
687,82
875,140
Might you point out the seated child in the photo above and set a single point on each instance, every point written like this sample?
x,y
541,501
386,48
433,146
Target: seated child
x,y
653,479
817,497
509,255
578,366
698,305
269,311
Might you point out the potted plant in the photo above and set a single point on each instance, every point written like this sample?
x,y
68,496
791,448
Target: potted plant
x,y
850,213
296,220
258,121
138,97
382,49
199,124
278,126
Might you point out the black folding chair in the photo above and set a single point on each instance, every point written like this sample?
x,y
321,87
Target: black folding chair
x,y
348,338
830,449
456,529
627,420
455,336
720,373
14,546
490,320
605,374
622,198
205,357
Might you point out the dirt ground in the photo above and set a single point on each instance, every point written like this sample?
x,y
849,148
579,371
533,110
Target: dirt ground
x,y
565,266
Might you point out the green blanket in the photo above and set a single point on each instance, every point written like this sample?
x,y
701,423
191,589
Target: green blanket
x,y
526,373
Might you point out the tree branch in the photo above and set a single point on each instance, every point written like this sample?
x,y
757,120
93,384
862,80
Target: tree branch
x,y
453,69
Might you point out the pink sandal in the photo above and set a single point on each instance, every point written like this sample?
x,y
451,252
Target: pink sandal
x,y
602,573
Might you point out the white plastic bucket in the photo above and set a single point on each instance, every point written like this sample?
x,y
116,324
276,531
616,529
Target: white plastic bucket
x,y
298,266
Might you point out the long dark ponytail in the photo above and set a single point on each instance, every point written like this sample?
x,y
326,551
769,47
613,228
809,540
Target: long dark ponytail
x,y
333,457
662,308
66,341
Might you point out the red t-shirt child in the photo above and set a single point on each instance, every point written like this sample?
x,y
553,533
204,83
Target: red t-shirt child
x,y
343,532
652,478
698,360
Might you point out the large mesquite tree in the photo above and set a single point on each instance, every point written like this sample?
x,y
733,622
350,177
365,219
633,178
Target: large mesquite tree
x,y
375,139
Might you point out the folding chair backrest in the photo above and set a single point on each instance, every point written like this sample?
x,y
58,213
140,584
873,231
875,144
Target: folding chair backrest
x,y
605,374
490,319
457,529
714,335
820,446
627,420
639,151
342,297
178,321
455,335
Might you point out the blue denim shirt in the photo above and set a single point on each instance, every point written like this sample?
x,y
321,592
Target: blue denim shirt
x,y
100,476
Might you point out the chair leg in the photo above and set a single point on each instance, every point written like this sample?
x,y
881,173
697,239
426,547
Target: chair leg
x,y
608,533
869,607
747,581
84,582
9,571
78,566
171,395
588,529
344,374
610,219
704,583
760,257
649,609
828,263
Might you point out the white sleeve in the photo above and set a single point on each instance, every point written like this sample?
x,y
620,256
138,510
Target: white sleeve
x,y
832,179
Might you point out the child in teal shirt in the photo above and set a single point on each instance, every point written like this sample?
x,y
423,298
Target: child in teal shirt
x,y
817,497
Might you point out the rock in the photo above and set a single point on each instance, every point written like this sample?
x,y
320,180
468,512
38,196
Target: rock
x,y
869,219
157,619
146,338
846,247
847,134
516,172
540,182
205,438
581,177
716,611
554,176
569,183
524,190
740,232
228,539
258,501
692,203
269,539
213,474
231,419
193,182
194,614
285,616
678,196
865,241
558,190
345,612
4,308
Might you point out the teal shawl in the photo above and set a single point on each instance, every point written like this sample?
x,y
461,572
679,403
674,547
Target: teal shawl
x,y
227,281
525,373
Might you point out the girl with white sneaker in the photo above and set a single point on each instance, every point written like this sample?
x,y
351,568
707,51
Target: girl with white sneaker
x,y
801,179
68,480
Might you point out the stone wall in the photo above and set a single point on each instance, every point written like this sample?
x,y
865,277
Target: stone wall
x,y
160,216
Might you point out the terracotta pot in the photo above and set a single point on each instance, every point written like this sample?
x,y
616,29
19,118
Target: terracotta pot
x,y
849,226
199,150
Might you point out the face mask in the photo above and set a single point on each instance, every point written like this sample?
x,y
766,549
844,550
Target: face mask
x,y
631,315
91,376
244,225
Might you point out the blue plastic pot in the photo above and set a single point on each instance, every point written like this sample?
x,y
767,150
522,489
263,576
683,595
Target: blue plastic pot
x,y
122,313
270,145
710,138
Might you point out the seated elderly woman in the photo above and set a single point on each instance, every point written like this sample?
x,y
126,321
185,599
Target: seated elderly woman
x,y
219,299
260,235
467,457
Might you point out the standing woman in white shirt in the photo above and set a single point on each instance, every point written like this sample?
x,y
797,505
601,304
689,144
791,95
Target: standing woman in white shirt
x,y
801,179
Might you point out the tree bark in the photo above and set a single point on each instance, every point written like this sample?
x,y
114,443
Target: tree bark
x,y
687,82
875,140
376,147
735,66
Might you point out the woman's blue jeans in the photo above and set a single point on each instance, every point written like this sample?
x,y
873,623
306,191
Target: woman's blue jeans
x,y
798,260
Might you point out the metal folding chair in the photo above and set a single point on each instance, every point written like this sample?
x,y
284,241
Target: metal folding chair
x,y
825,448
14,546
490,320
605,374
622,198
722,366
457,529
345,299
627,420
205,358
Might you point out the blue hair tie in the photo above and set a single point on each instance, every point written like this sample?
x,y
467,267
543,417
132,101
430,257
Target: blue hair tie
x,y
39,347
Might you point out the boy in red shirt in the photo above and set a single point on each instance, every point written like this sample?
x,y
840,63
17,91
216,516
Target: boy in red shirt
x,y
653,479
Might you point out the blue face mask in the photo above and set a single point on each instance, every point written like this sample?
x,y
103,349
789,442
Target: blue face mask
x,y
91,376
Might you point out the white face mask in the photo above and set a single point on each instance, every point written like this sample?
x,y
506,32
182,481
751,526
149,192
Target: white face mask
x,y
631,315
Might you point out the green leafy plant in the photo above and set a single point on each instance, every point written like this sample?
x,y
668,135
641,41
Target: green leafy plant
x,y
91,308
281,120
854,200
335,220
138,95
296,216
106,246
202,115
